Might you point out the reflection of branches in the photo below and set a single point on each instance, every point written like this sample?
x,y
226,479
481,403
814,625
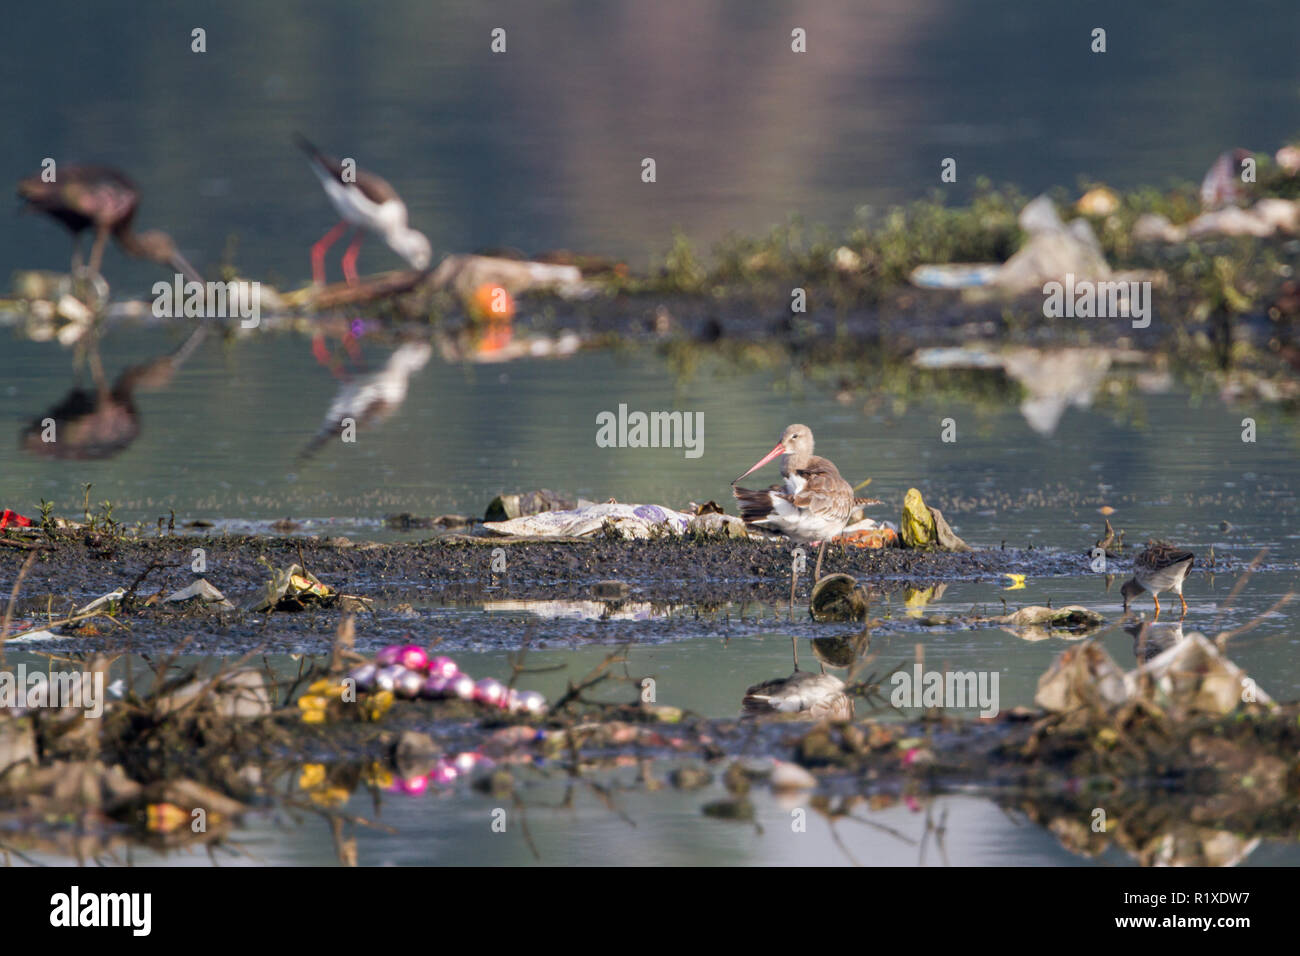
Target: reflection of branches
x,y
841,811
879,826
606,798
523,825
597,674
1224,637
330,813
938,832
7,850
13,597
1241,583
839,841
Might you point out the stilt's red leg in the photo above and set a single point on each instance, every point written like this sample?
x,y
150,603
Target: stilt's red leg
x,y
352,346
1184,600
320,248
318,349
1156,598
350,258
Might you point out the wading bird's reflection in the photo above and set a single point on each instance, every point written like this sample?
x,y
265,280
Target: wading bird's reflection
x,y
1152,639
808,696
103,421
371,398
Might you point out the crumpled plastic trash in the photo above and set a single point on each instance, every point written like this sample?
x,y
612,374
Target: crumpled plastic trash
x,y
1053,250
587,610
869,533
1266,217
924,527
10,517
630,521
1036,622
104,601
466,273
506,506
1222,185
1194,676
293,589
240,694
1081,676
716,523
203,591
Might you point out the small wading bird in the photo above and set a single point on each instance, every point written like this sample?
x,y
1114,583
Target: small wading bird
x,y
812,505
364,203
1160,567
102,199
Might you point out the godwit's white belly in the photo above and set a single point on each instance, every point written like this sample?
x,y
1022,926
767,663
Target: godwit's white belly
x,y
801,524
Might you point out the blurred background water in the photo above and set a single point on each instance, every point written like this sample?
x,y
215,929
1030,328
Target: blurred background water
x,y
541,147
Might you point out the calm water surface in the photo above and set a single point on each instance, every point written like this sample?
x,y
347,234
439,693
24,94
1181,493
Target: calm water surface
x,y
221,444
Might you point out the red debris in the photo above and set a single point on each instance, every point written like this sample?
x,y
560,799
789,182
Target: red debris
x,y
9,517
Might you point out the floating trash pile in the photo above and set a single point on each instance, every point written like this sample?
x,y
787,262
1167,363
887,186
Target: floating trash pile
x,y
409,672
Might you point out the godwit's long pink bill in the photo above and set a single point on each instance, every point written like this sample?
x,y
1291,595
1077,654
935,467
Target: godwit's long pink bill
x,y
812,504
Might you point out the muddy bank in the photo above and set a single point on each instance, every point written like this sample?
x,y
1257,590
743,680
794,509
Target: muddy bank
x,y
458,568
695,585
682,569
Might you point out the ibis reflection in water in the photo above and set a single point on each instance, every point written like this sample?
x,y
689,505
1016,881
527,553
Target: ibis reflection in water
x,y
100,422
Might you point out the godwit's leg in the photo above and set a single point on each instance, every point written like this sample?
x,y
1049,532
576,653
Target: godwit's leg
x,y
318,250
794,643
350,258
794,580
821,553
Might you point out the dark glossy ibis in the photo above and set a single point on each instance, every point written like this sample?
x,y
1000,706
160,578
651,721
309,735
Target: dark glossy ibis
x,y
105,200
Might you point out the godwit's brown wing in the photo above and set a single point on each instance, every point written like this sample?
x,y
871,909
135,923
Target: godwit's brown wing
x,y
822,491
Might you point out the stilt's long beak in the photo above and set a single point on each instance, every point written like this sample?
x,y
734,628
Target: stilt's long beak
x,y
778,450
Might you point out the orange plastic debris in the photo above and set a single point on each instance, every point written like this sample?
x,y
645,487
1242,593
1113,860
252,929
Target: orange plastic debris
x,y
872,538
